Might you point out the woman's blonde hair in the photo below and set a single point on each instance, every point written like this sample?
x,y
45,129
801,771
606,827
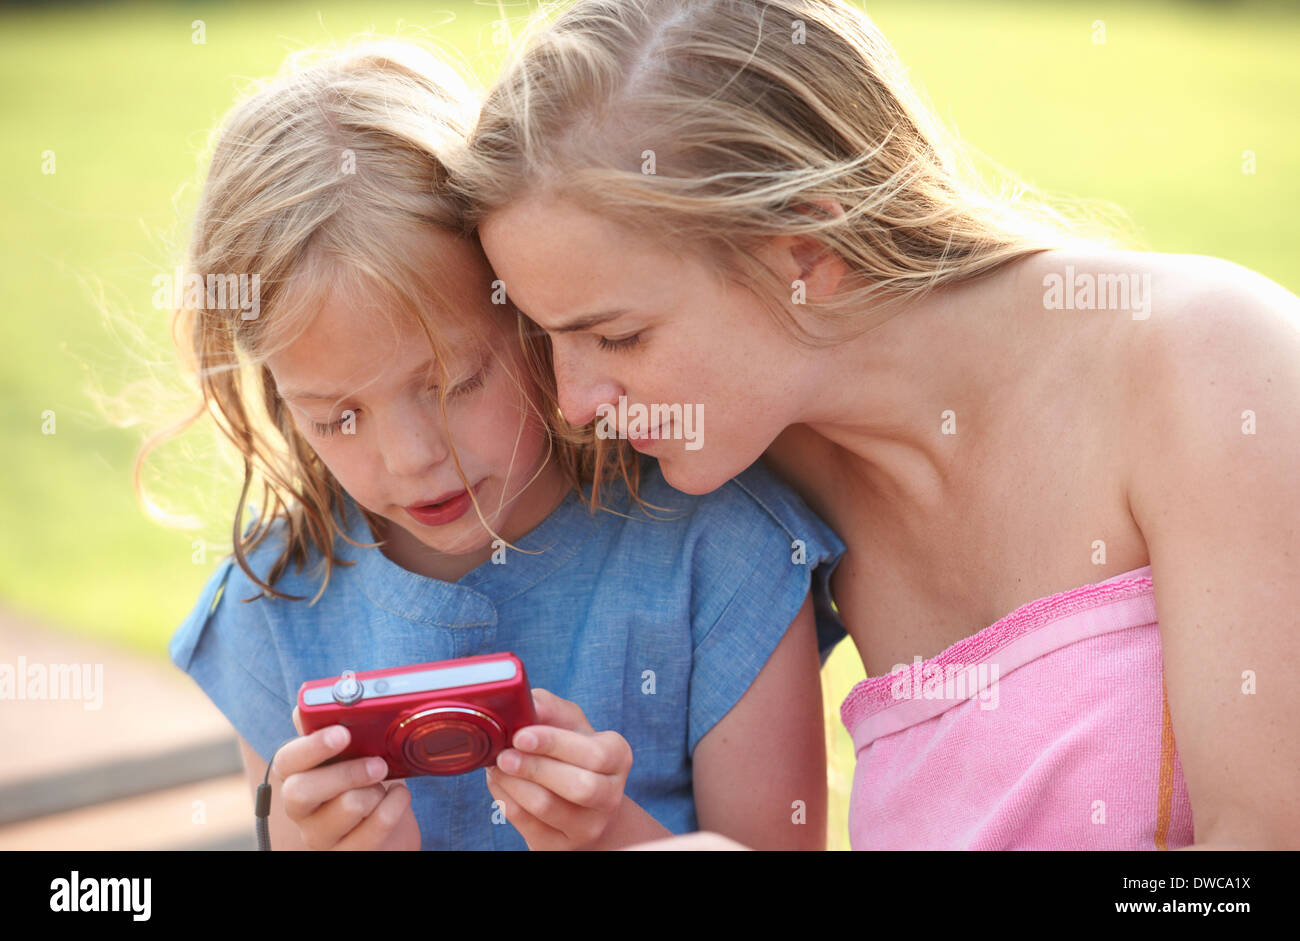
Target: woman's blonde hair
x,y
714,125
316,179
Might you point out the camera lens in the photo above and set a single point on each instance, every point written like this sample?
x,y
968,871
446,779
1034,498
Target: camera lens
x,y
447,740
445,744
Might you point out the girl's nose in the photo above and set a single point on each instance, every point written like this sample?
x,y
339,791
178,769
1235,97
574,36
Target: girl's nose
x,y
413,441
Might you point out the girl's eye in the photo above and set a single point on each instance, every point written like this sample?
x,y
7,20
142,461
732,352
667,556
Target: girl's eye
x,y
469,385
625,343
326,430
465,388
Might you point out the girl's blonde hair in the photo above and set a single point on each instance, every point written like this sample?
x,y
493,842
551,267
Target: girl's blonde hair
x,y
318,178
714,125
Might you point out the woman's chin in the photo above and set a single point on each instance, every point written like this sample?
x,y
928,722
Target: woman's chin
x,y
693,476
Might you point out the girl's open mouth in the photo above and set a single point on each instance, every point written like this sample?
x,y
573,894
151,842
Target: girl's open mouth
x,y
447,511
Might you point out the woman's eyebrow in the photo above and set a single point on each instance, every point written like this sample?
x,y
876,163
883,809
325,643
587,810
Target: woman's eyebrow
x,y
588,321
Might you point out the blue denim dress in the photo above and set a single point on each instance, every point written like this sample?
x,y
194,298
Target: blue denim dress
x,y
654,627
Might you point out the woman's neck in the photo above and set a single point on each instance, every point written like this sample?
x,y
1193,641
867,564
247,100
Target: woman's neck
x,y
907,402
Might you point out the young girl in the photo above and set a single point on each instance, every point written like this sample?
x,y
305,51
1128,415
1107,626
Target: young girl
x,y
745,205
418,504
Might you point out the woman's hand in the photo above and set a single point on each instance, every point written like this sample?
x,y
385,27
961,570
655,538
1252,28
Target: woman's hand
x,y
703,840
562,783
343,806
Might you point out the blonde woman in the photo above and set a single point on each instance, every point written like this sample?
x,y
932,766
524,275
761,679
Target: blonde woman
x,y
1065,472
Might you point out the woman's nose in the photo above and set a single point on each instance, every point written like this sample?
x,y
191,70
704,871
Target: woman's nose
x,y
580,392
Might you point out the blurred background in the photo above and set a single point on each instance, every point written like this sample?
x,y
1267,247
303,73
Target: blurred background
x,y
1182,114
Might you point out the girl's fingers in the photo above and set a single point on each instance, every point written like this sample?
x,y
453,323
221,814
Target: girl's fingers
x,y
553,710
574,823
371,832
577,786
333,820
536,834
305,792
601,752
308,751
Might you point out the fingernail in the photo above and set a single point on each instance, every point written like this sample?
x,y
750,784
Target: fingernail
x,y
377,767
509,761
336,737
526,740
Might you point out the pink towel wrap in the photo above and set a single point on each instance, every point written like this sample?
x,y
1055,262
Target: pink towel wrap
x,y
1047,730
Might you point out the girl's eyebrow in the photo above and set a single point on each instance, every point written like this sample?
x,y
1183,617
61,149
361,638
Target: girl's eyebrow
x,y
296,394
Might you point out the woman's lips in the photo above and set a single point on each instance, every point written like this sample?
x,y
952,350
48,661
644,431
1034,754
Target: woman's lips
x,y
646,440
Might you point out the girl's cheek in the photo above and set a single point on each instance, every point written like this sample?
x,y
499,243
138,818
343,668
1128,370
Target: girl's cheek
x,y
500,408
508,418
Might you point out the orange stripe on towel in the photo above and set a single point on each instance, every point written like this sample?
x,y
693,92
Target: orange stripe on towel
x,y
1165,796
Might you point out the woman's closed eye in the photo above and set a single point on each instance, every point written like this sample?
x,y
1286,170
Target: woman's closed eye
x,y
623,343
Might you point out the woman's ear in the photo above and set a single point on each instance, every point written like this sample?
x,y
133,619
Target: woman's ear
x,y
814,270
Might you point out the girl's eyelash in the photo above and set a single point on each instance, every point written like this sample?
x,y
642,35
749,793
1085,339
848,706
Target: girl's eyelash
x,y
327,429
625,343
470,384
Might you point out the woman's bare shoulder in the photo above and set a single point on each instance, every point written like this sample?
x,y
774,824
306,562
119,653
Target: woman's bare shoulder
x,y
1219,353
1165,308
1181,343
1211,319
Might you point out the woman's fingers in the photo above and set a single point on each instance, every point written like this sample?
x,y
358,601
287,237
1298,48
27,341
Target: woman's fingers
x,y
691,841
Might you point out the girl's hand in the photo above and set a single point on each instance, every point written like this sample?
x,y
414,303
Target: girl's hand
x,y
342,806
562,783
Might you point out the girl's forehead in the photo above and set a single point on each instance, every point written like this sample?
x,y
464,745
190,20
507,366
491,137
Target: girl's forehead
x,y
325,363
351,334
339,300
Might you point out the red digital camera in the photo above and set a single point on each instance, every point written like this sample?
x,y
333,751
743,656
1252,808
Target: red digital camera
x,y
445,717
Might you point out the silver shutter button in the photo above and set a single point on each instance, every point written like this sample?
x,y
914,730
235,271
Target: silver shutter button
x,y
348,689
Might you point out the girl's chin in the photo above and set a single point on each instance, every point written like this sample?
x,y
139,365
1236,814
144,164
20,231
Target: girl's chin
x,y
463,543
462,537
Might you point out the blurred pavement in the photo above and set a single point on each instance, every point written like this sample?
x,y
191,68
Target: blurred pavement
x,y
147,708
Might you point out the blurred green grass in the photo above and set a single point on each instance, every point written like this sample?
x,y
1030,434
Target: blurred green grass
x,y
1156,120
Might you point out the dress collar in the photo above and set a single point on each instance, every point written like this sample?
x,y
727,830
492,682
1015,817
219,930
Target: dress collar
x,y
471,600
